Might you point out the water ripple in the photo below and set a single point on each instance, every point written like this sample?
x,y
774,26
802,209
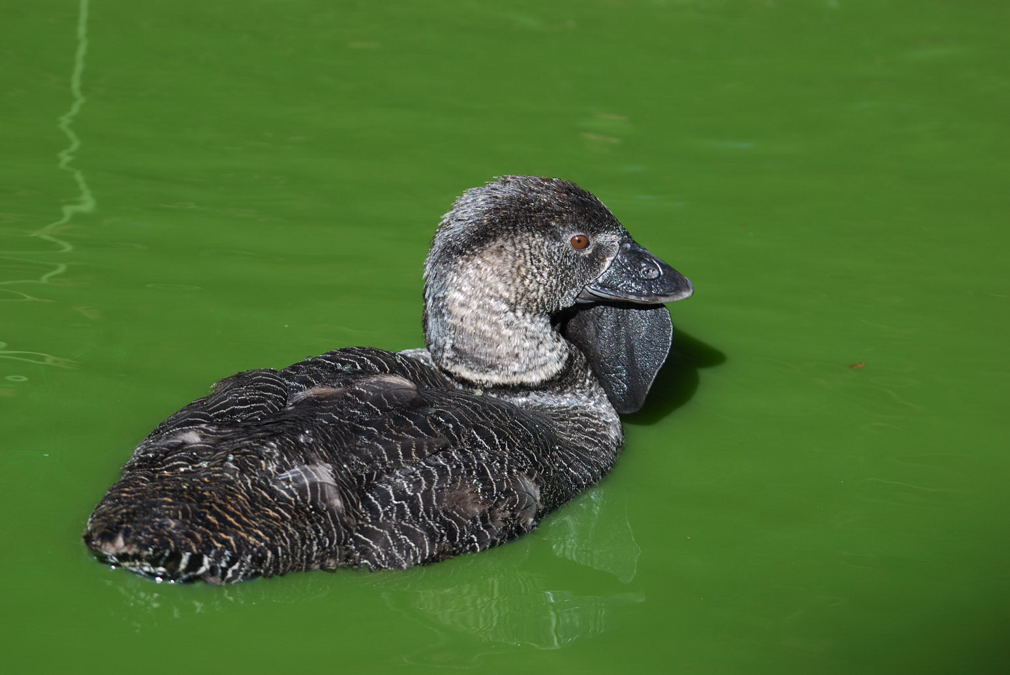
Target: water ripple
x,y
85,202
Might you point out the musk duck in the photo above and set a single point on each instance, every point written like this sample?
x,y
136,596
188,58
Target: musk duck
x,y
543,320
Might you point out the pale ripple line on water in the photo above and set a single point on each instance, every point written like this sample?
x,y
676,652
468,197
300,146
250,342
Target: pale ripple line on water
x,y
86,199
40,358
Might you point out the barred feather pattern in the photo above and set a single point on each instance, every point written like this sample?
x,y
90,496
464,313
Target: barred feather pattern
x,y
356,458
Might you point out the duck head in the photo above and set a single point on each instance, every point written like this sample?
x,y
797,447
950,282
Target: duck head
x,y
521,264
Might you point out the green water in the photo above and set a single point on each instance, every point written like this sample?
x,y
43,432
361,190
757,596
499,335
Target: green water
x,y
191,188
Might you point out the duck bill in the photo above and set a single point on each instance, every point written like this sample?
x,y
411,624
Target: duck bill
x,y
637,276
626,345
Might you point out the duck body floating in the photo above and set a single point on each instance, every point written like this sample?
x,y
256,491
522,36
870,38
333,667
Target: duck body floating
x,y
543,320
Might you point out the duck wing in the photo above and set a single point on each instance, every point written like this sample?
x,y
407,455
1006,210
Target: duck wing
x,y
358,457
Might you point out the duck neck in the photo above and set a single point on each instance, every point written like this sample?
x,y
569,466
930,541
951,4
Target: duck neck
x,y
476,335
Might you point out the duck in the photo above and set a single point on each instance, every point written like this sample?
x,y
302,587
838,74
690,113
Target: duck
x,y
544,321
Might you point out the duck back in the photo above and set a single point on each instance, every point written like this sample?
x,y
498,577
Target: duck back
x,y
359,457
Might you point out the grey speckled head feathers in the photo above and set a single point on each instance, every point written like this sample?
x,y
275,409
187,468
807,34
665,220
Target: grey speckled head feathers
x,y
503,264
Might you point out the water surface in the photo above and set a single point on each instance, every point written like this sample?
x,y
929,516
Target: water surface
x,y
191,189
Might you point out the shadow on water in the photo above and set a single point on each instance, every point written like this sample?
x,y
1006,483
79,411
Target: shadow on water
x,y
678,380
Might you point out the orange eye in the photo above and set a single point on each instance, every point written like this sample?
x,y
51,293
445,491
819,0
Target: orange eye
x,y
580,241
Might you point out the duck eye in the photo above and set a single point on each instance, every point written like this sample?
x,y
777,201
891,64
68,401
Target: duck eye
x,y
580,241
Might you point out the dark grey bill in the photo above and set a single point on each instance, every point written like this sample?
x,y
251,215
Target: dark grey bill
x,y
635,275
